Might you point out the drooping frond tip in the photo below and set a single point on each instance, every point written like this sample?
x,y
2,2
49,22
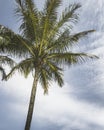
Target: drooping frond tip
x,y
82,57
69,14
5,60
3,73
19,2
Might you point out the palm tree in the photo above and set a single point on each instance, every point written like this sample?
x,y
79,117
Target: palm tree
x,y
43,45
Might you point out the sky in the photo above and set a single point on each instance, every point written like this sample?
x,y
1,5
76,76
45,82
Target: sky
x,y
79,105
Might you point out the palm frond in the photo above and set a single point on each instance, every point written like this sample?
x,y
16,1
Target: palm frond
x,y
69,58
50,10
49,72
28,14
56,73
49,17
10,42
69,15
66,40
2,72
24,67
5,60
76,37
30,5
44,80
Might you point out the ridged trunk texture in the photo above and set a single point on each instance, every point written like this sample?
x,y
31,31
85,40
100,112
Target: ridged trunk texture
x,y
32,102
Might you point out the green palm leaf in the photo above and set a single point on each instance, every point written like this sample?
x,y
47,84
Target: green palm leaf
x,y
4,60
69,58
66,40
24,67
2,72
27,12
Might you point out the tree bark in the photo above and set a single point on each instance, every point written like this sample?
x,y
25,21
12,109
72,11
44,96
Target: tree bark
x,y
32,102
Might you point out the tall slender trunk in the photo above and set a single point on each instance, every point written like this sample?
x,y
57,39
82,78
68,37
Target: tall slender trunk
x,y
31,103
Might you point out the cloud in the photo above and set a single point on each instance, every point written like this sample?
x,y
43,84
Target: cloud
x,y
57,108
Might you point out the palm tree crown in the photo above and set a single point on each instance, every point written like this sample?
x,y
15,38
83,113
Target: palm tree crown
x,y
44,41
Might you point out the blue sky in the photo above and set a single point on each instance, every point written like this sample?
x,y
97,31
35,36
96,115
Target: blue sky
x,y
79,105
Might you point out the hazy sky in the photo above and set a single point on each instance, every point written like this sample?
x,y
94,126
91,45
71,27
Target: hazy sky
x,y
79,105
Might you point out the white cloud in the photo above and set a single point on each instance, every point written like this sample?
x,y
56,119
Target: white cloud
x,y
58,107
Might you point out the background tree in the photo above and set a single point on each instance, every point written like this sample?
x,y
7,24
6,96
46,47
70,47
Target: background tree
x,y
43,45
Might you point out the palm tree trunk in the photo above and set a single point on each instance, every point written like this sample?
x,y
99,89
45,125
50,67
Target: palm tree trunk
x,y
32,101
